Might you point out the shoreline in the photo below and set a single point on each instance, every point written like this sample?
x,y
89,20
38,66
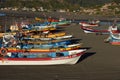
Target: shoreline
x,y
67,15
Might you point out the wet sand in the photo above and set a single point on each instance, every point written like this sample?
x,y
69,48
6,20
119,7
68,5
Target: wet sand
x,y
101,62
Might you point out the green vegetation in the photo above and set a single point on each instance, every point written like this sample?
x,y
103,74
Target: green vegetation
x,y
84,6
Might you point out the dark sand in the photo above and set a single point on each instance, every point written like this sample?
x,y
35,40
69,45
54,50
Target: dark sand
x,y
101,62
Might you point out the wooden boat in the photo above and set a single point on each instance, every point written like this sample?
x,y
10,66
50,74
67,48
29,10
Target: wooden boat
x,y
63,37
27,45
90,24
114,29
60,48
40,30
37,26
61,23
43,25
56,58
114,35
10,41
91,30
50,35
26,31
38,41
52,20
2,34
113,39
49,39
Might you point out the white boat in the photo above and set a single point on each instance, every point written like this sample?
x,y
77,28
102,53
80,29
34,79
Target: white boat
x,y
57,38
63,37
94,30
92,24
54,38
71,58
114,37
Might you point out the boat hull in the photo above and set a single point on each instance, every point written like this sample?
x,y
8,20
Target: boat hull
x,y
115,43
43,50
72,59
90,25
90,30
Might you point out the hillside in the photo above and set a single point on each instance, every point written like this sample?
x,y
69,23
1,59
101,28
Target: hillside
x,y
90,7
53,4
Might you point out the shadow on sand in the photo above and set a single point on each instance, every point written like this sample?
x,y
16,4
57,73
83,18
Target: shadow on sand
x,y
86,55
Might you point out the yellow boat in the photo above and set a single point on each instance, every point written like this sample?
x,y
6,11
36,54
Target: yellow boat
x,y
27,31
2,34
50,35
41,50
41,42
44,29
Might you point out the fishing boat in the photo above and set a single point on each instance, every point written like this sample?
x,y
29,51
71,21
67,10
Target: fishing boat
x,y
63,37
13,45
13,30
16,50
39,49
10,42
114,38
48,35
38,35
43,25
44,40
2,14
38,29
93,30
61,23
90,24
114,29
54,58
49,39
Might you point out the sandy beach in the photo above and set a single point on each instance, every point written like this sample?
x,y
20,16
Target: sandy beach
x,y
101,62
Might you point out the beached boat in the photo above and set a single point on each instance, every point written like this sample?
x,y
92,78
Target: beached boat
x,y
92,30
2,14
10,42
60,48
56,58
36,35
49,35
90,24
49,39
43,25
61,23
114,38
38,41
26,31
114,29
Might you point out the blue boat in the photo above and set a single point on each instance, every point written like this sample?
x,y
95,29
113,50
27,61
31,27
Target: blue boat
x,y
63,44
2,14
